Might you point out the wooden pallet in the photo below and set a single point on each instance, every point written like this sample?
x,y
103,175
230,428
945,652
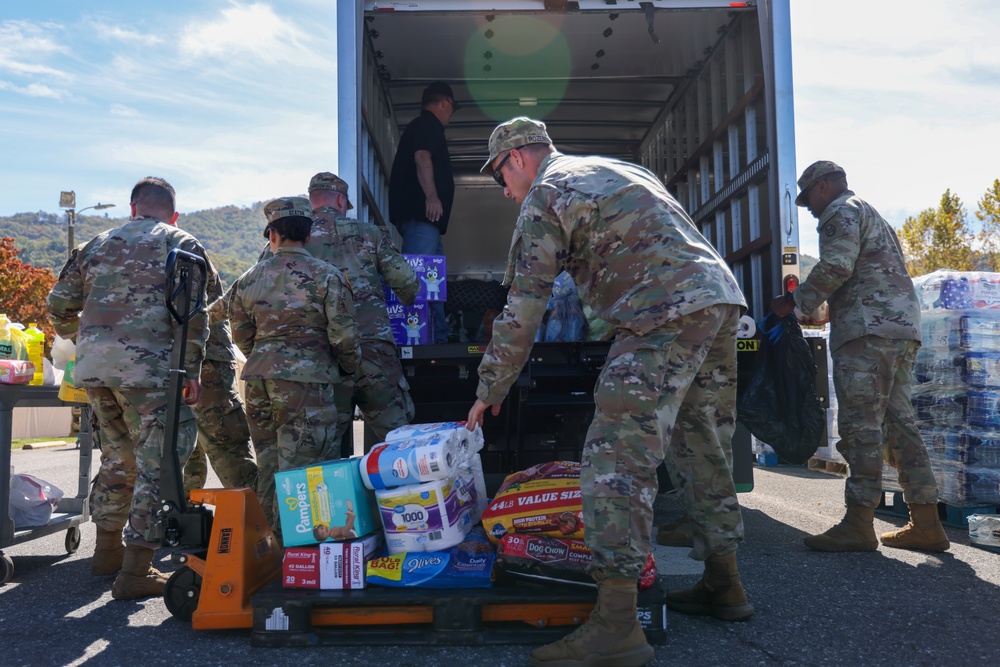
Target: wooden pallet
x,y
838,468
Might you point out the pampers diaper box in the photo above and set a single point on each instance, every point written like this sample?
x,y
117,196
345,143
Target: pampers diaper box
x,y
324,502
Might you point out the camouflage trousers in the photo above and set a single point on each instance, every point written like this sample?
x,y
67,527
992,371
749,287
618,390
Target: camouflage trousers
x,y
675,402
223,433
126,491
380,391
872,378
298,420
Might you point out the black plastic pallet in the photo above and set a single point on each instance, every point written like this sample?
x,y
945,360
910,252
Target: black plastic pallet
x,y
283,617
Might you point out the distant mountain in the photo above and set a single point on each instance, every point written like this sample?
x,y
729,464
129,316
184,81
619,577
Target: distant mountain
x,y
231,234
806,264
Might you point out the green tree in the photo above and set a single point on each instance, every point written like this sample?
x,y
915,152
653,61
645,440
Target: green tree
x,y
23,289
938,238
988,215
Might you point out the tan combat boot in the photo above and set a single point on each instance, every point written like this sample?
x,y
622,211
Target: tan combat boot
x,y
855,532
108,553
719,593
611,638
676,534
923,533
137,579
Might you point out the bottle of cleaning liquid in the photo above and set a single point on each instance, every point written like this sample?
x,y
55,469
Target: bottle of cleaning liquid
x,y
6,338
36,351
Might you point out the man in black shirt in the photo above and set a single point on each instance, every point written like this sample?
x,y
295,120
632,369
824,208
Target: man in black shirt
x,y
421,186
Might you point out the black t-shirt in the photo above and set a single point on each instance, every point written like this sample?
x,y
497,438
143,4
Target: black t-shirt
x,y
406,198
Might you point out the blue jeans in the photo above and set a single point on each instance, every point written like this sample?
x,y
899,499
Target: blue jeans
x,y
424,238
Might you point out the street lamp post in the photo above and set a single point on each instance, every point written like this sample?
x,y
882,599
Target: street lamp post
x,y
67,200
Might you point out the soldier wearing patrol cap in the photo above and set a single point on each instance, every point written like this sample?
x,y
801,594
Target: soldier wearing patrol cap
x,y
367,257
293,318
667,391
874,337
110,300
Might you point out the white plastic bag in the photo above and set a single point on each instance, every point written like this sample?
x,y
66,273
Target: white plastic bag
x,y
63,351
31,500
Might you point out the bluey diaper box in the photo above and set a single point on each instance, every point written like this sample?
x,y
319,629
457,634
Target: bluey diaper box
x,y
432,274
410,324
324,502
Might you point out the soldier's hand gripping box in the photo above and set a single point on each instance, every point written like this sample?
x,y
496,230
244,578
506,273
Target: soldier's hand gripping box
x,y
410,324
324,502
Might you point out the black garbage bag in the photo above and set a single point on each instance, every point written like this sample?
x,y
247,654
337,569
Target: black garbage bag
x,y
780,406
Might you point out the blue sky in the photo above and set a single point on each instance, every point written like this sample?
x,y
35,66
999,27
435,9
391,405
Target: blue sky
x,y
234,101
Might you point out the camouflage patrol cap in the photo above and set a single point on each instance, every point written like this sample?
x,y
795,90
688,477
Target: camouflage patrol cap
x,y
327,181
813,173
286,207
515,133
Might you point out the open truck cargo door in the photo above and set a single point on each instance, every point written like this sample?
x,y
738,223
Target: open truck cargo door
x,y
699,92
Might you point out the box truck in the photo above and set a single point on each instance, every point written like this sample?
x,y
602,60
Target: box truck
x,y
697,91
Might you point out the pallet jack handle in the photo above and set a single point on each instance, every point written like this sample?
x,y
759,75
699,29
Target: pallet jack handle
x,y
186,275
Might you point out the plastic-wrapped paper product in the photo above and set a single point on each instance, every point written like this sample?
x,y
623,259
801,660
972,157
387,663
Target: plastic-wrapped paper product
x,y
468,564
468,442
984,529
413,461
426,517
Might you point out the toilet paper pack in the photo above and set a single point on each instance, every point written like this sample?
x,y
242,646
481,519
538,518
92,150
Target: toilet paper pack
x,y
429,516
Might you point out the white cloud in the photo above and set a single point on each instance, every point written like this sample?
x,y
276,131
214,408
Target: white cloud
x,y
903,94
120,34
253,30
123,111
34,90
23,44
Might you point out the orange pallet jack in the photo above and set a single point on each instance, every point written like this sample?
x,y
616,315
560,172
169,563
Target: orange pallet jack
x,y
229,554
232,562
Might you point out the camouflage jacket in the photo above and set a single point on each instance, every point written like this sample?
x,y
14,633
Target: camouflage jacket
x,y
861,274
220,334
635,255
293,318
366,257
116,284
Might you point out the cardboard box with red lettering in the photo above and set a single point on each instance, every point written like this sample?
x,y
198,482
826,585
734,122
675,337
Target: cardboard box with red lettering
x,y
342,564
300,567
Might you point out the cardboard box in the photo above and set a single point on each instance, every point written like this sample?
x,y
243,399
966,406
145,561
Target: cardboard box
x,y
300,567
325,496
432,273
342,564
410,324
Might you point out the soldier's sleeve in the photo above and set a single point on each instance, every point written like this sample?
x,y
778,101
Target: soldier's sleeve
x,y
839,246
65,300
341,327
218,310
534,265
197,339
396,271
244,329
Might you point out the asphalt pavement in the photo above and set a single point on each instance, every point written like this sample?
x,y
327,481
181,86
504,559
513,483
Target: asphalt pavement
x,y
889,607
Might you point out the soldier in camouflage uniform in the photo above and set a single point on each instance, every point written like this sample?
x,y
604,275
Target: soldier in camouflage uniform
x,y
110,298
367,257
293,317
223,433
669,381
874,337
